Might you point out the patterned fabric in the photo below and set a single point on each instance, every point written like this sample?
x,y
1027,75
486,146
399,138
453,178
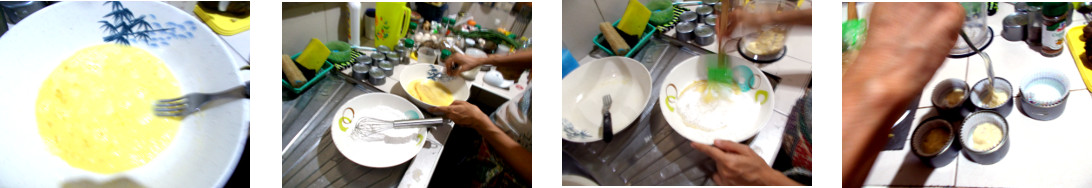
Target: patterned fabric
x,y
796,142
514,118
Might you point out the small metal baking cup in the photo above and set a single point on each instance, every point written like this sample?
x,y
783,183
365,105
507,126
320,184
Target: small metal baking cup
x,y
998,84
1043,94
996,152
940,94
945,154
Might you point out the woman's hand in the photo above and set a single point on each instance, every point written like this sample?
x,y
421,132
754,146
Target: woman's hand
x,y
457,63
739,165
464,113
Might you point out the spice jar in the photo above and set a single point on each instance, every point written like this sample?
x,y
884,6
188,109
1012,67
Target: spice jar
x,y
1055,19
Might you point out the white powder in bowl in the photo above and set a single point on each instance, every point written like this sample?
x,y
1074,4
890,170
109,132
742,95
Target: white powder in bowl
x,y
715,114
375,132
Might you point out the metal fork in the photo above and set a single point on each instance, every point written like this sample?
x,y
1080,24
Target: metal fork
x,y
193,102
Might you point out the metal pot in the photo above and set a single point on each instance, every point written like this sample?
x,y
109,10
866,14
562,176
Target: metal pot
x,y
1043,95
684,31
376,76
704,35
378,56
366,60
360,71
688,16
704,11
992,155
386,66
946,154
1014,26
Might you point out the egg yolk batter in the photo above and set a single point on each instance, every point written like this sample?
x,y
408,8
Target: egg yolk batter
x,y
95,110
430,92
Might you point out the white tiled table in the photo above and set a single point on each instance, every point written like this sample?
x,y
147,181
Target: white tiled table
x,y
1041,152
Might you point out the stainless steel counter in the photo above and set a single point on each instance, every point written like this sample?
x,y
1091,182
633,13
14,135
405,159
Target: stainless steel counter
x,y
309,157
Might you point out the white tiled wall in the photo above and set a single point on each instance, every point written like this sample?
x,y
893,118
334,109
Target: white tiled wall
x,y
581,20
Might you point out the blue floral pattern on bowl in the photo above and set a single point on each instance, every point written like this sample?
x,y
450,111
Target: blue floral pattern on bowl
x,y
123,27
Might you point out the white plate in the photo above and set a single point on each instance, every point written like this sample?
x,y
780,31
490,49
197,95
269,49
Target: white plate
x,y
207,145
625,80
377,154
692,70
459,87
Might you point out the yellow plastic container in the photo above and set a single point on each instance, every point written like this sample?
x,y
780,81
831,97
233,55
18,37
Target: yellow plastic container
x,y
391,22
634,20
222,24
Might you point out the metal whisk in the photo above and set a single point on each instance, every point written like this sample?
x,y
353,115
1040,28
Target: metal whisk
x,y
369,126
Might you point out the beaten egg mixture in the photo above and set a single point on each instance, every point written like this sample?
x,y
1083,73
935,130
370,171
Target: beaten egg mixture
x,y
430,92
95,110
710,112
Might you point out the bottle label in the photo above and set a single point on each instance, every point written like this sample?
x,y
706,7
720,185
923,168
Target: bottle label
x,y
1054,35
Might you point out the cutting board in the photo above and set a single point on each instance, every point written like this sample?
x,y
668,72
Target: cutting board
x,y
1076,48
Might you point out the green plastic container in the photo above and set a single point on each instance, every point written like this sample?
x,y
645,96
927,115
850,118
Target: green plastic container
x,y
649,29
326,67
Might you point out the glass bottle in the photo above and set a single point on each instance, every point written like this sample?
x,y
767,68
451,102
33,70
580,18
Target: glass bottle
x,y
1035,25
1055,19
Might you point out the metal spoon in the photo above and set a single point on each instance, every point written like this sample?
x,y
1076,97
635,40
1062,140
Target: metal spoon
x,y
985,58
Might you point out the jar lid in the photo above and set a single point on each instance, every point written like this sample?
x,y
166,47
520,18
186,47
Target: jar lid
x,y
688,16
1054,9
376,73
378,56
385,65
705,10
684,27
711,20
361,68
704,31
364,59
445,53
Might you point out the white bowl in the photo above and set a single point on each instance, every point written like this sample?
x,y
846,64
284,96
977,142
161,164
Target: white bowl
x,y
459,87
375,154
624,79
692,70
207,145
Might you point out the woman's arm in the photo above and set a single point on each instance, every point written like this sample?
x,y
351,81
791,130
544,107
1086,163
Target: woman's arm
x,y
907,43
466,114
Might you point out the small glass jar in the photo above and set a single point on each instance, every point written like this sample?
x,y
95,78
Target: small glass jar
x,y
1055,19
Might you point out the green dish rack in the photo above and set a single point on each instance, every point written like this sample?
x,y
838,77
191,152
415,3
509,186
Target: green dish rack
x,y
326,67
649,29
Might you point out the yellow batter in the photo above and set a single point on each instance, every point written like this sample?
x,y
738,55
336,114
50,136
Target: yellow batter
x,y
986,136
95,109
431,92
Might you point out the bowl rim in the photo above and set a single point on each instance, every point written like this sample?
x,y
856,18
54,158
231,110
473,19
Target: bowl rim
x,y
647,95
403,82
771,100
